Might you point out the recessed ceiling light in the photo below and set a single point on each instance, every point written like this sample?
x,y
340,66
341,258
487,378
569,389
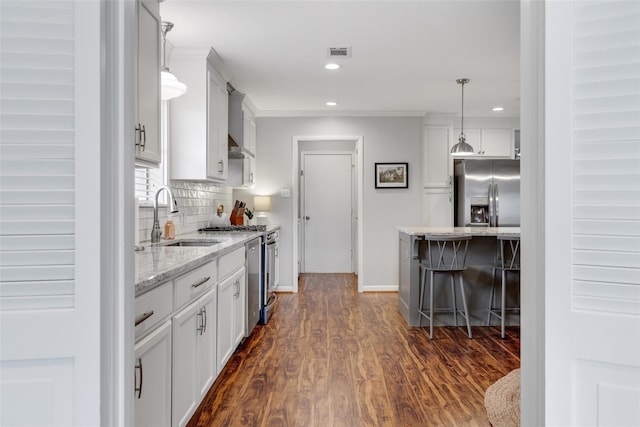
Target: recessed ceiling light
x,y
497,109
332,66
331,103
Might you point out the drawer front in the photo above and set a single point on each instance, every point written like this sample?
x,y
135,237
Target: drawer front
x,y
195,283
152,307
230,262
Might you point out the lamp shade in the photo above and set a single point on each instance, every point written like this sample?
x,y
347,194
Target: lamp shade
x,y
461,148
262,203
170,86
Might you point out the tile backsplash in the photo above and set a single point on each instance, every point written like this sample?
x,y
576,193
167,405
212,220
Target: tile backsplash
x,y
197,202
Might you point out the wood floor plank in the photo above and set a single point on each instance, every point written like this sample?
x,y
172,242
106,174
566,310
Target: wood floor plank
x,y
330,356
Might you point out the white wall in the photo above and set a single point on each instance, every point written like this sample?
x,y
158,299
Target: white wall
x,y
386,139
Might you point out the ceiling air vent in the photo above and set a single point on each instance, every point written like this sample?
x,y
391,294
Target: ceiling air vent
x,y
340,52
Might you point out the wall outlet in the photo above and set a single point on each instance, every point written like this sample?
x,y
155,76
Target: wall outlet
x,y
285,192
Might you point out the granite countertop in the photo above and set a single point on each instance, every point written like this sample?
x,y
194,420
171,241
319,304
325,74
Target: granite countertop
x,y
455,231
158,263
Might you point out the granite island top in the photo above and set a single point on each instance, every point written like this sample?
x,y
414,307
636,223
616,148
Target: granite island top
x,y
158,262
456,231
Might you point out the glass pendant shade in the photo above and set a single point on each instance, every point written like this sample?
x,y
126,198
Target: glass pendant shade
x,y
170,86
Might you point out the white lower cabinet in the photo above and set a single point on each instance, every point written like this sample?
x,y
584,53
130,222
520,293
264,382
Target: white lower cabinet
x,y
231,315
194,354
438,208
153,378
186,331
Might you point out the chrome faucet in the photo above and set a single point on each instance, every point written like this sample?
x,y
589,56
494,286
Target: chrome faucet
x,y
173,206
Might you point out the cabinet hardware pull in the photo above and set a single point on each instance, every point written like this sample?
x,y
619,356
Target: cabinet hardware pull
x,y
143,317
204,316
251,177
449,197
200,327
143,133
220,167
139,389
138,135
202,282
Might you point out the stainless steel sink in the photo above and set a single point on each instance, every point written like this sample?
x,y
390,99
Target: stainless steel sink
x,y
194,243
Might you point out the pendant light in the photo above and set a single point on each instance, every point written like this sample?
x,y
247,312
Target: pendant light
x,y
170,87
462,148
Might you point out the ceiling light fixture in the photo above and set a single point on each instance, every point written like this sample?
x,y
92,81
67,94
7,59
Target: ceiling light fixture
x,y
170,86
497,109
462,148
331,103
332,66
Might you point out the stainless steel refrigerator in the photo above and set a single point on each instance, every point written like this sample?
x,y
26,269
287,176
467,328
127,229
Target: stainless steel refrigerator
x,y
487,193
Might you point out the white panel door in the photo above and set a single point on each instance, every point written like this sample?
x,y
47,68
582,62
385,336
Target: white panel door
x,y
592,200
327,212
50,232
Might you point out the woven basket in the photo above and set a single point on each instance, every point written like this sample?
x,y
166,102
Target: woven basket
x,y
502,400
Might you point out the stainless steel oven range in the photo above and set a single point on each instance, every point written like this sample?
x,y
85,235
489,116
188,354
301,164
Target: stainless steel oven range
x,y
268,296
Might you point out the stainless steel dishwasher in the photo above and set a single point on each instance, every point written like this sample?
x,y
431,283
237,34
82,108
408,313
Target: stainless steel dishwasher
x,y
254,282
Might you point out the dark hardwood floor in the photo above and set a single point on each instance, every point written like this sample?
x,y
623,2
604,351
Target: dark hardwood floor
x,y
332,357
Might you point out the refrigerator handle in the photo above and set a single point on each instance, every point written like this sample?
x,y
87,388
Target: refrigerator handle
x,y
491,206
496,205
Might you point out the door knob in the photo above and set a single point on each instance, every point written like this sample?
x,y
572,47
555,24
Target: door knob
x,y
307,218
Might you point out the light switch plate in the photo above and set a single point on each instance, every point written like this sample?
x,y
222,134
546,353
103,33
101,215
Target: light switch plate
x,y
285,192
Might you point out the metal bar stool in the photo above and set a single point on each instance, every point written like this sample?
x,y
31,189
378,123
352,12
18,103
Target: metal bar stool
x,y
508,261
445,255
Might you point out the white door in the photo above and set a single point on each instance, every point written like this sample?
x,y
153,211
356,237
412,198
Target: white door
x,y
592,239
327,195
50,239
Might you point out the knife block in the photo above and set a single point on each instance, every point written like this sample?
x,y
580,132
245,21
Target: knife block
x,y
237,217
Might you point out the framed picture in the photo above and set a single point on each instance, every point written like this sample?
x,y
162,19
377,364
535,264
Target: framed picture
x,y
392,175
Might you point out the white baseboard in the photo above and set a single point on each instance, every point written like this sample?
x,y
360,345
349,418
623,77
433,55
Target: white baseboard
x,y
379,288
365,288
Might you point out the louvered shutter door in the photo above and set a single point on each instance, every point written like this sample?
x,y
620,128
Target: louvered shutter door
x,y
592,291
49,167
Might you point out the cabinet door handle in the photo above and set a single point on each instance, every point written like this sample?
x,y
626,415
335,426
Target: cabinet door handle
x,y
138,135
450,179
204,317
450,197
251,177
220,167
139,388
143,133
200,327
237,285
202,282
143,317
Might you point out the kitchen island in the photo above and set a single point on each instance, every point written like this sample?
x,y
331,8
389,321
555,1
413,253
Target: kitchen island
x,y
480,258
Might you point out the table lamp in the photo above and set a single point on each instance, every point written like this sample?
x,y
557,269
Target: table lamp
x,y
262,204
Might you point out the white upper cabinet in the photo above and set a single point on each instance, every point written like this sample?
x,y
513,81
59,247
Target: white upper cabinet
x,y
242,141
497,143
494,143
436,160
242,123
199,118
147,131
